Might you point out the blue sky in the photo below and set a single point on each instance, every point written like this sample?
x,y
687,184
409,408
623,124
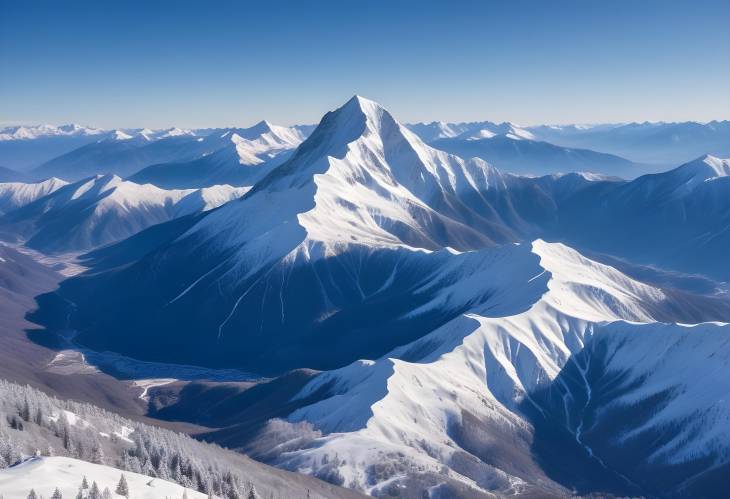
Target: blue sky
x,y
195,64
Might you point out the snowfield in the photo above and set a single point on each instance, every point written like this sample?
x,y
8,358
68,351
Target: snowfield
x,y
44,474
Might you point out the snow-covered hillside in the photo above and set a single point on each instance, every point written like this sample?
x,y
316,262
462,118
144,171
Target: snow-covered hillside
x,y
47,443
430,403
241,157
126,152
677,219
14,195
46,474
96,211
525,156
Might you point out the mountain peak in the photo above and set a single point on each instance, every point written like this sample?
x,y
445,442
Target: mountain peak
x,y
706,167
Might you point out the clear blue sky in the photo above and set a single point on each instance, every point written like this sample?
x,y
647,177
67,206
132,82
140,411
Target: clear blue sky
x,y
216,63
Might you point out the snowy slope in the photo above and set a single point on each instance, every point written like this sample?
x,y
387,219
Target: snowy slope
x,y
97,211
241,157
522,155
429,404
361,191
208,198
14,195
44,474
678,219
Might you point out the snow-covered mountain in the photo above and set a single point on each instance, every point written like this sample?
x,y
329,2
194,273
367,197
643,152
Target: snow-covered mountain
x,y
362,196
119,153
126,152
14,195
241,157
626,150
525,156
678,219
32,132
661,144
561,341
435,130
463,357
54,217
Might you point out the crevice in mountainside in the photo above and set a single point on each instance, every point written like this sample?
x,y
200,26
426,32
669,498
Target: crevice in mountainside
x,y
561,417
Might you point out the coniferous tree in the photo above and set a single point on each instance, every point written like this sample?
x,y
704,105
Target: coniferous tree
x,y
84,483
106,494
32,494
94,492
122,487
57,494
97,454
25,410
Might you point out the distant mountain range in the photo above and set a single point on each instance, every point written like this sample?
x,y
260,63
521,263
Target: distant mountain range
x,y
56,217
178,158
622,150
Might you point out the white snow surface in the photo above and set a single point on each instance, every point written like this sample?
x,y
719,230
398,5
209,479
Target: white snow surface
x,y
207,198
17,194
486,362
44,474
102,209
357,180
30,132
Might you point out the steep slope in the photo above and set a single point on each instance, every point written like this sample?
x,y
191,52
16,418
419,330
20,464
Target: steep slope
x,y
100,210
14,195
481,394
241,157
678,219
71,440
353,217
207,198
519,155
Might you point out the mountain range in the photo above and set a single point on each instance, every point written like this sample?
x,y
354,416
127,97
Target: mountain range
x,y
56,218
183,158
410,322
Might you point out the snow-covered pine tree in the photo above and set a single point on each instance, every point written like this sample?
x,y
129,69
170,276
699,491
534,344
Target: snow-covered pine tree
x,y
97,454
57,494
122,487
94,492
